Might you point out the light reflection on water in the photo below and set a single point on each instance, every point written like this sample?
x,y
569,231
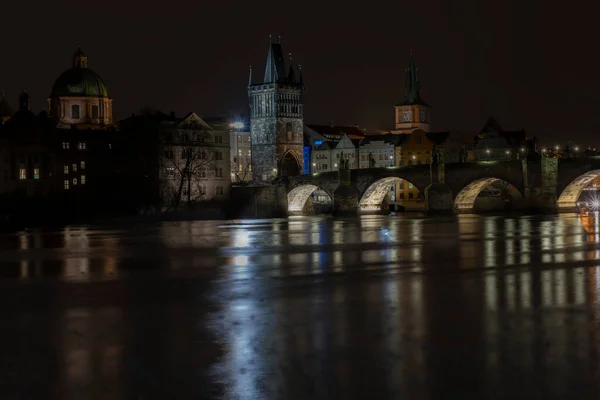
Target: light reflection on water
x,y
308,307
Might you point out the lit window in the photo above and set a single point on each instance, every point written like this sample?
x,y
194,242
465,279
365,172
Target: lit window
x,y
75,111
240,152
82,164
66,184
74,181
36,173
82,145
74,167
65,145
410,186
83,179
171,172
22,173
249,153
66,169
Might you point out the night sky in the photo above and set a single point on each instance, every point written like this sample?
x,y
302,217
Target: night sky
x,y
531,64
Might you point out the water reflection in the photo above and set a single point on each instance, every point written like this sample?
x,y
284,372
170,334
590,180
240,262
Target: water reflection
x,y
376,307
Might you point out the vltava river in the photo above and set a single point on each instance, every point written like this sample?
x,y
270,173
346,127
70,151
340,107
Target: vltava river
x,y
379,307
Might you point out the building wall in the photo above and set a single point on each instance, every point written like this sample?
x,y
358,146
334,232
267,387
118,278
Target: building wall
x,y
211,180
416,149
62,108
240,156
383,154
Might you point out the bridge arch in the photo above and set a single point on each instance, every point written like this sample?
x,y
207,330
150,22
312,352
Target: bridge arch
x,y
373,198
567,201
466,199
298,197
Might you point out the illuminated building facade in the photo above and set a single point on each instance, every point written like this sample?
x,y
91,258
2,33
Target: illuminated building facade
x,y
80,98
276,119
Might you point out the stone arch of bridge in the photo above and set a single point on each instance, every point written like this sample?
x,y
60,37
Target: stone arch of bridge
x,y
465,199
567,201
298,196
373,197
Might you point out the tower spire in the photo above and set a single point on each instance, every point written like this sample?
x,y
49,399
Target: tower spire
x,y
411,82
80,60
300,70
250,76
275,66
291,73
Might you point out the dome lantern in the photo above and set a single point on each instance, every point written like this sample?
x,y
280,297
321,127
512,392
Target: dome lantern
x,y
80,60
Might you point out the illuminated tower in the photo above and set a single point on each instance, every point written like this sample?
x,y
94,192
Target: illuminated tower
x,y
276,119
412,113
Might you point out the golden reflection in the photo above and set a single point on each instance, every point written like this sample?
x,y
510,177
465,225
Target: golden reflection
x,y
76,266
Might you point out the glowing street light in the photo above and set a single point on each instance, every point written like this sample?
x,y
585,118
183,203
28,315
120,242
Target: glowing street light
x,y
576,148
507,151
557,147
314,164
236,125
523,149
414,157
487,151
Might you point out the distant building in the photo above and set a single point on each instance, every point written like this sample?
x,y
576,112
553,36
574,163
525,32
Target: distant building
x,y
412,112
240,154
80,98
194,162
276,119
333,155
495,144
379,150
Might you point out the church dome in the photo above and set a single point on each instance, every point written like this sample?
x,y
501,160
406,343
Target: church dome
x,y
79,81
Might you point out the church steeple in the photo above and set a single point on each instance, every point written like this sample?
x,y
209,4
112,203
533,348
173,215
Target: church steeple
x,y
412,84
80,60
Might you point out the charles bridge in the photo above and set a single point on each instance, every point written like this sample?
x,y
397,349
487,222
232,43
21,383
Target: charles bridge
x,y
546,185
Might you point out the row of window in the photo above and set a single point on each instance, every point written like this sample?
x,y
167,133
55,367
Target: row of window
x,y
249,153
23,173
201,173
73,168
76,111
80,145
66,182
190,153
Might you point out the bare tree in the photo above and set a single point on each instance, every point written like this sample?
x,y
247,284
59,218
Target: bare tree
x,y
241,169
189,157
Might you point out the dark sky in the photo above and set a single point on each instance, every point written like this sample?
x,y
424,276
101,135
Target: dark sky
x,y
531,64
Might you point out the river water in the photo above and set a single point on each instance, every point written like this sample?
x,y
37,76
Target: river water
x,y
304,308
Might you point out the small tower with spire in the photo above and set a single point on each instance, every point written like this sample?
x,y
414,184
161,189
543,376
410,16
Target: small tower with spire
x,y
412,112
80,60
276,119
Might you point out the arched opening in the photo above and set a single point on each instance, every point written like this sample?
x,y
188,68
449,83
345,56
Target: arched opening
x,y
289,165
309,200
583,189
488,195
392,194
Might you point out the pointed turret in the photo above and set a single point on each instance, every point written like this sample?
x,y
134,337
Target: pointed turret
x,y
300,69
250,77
291,74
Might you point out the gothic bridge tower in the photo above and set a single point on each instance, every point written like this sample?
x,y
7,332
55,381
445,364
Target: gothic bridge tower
x,y
276,119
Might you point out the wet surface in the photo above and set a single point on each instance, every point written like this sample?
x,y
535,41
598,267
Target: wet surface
x,y
304,308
